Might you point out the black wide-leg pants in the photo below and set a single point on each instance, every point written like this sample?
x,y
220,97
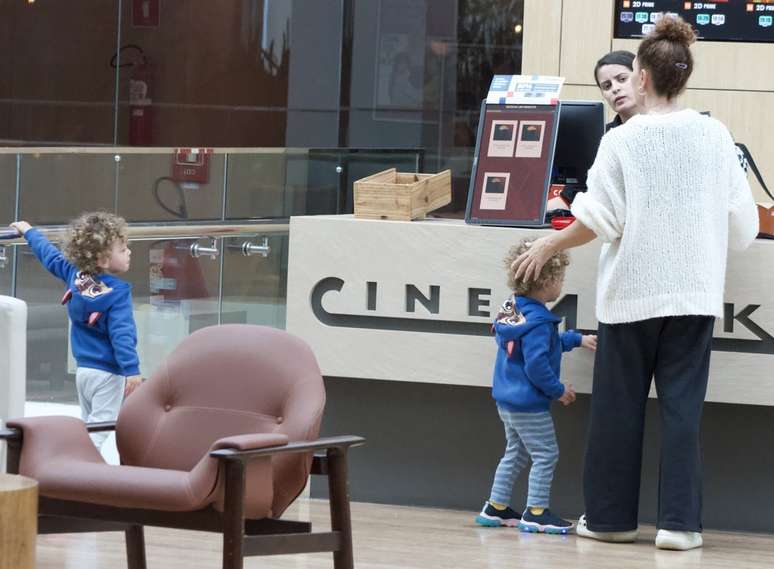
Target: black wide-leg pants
x,y
675,351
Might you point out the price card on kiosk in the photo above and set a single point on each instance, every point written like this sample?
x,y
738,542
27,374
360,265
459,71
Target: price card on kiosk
x,y
524,89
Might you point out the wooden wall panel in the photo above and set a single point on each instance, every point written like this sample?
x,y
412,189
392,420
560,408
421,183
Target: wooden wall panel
x,y
735,81
542,36
723,65
587,29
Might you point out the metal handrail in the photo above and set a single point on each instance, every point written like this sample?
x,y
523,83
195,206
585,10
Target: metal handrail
x,y
170,230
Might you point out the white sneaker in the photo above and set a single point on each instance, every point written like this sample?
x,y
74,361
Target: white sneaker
x,y
678,540
612,536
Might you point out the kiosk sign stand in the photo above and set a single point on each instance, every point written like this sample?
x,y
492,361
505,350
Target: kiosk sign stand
x,y
514,153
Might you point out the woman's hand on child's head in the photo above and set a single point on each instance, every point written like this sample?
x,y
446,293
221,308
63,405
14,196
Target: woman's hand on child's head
x,y
589,342
21,226
529,264
132,383
568,397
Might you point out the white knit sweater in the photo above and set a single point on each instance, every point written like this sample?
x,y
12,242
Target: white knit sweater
x,y
667,196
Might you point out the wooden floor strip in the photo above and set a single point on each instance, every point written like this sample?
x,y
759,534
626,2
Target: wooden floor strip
x,y
414,538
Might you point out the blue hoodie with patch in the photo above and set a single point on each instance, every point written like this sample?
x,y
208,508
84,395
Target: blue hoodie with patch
x,y
527,380
110,344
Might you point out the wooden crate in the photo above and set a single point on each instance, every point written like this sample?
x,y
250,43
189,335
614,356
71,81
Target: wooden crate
x,y
400,196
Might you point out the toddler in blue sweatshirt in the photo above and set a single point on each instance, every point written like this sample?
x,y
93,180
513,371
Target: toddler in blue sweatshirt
x,y
526,379
103,335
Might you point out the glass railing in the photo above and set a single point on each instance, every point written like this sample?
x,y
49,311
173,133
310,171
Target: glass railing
x,y
209,243
52,185
181,281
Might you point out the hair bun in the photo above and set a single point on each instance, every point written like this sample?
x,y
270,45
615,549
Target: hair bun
x,y
675,30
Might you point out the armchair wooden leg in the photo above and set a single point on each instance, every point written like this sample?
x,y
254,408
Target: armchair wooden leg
x,y
233,515
135,547
338,489
13,457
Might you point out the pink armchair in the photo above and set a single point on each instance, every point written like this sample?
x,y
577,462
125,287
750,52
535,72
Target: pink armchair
x,y
220,439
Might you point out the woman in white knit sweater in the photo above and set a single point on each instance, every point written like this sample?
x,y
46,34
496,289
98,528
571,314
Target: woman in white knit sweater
x,y
667,197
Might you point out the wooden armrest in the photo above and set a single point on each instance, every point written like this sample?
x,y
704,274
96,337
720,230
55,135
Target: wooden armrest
x,y
342,443
103,426
10,434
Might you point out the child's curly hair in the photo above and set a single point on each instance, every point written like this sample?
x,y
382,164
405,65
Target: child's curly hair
x,y
89,238
552,270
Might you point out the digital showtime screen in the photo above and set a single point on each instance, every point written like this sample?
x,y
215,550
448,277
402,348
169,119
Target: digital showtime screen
x,y
722,20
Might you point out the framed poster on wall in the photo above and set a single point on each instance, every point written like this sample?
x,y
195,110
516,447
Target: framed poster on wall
x,y
511,171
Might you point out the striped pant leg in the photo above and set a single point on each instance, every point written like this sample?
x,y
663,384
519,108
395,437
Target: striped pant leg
x,y
511,464
536,431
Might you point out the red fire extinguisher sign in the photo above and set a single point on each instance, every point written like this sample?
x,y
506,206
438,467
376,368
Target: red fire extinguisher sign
x,y
145,13
191,165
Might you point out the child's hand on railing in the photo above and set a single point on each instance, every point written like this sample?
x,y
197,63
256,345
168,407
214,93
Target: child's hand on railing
x,y
21,226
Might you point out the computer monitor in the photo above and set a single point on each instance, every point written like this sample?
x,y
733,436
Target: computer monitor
x,y
581,127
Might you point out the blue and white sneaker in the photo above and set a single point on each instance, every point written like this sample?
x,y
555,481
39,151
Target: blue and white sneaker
x,y
544,523
492,517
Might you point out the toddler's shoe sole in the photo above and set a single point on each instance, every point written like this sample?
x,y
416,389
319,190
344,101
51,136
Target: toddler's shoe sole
x,y
493,522
532,527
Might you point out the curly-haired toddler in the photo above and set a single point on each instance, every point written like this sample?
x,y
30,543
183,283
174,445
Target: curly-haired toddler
x,y
103,334
525,381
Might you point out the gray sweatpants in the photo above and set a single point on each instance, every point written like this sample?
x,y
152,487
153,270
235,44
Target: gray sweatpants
x,y
528,435
100,394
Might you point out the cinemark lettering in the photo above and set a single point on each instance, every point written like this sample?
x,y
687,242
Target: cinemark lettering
x,y
479,305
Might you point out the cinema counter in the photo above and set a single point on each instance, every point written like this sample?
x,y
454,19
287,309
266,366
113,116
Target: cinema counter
x,y
398,315
413,301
